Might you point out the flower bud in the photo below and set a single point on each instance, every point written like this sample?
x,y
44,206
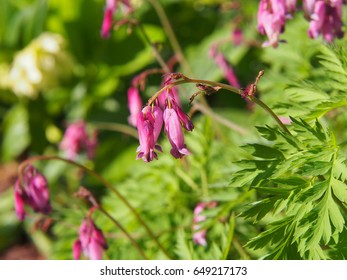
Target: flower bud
x,y
91,241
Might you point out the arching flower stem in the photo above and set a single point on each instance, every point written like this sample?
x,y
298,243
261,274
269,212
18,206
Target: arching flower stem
x,y
185,80
105,183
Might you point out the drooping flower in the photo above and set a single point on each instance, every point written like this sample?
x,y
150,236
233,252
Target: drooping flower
x,y
290,6
271,20
227,69
19,202
183,117
149,124
237,36
325,19
32,191
91,242
110,10
76,140
199,235
174,132
171,93
134,105
308,6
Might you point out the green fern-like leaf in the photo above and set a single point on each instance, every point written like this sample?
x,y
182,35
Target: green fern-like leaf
x,y
305,193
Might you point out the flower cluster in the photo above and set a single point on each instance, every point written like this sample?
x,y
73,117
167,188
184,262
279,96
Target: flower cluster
x,y
325,18
199,235
32,191
91,241
271,20
76,140
39,66
151,119
110,10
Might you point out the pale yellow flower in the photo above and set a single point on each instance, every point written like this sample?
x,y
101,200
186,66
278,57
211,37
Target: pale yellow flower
x,y
40,66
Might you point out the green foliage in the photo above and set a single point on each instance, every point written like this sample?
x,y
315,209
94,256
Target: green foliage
x,y
303,180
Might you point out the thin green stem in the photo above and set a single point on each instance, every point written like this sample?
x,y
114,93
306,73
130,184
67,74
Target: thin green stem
x,y
220,119
255,100
216,84
126,129
132,240
230,236
155,96
154,48
273,115
187,80
105,183
165,22
238,246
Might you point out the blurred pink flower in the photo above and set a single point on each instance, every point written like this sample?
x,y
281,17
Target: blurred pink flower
x,y
76,140
110,10
199,235
32,191
221,61
91,241
237,37
308,6
290,6
111,7
325,19
134,105
285,120
19,202
271,20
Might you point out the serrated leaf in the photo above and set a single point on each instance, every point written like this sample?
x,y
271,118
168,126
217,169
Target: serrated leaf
x,y
259,209
295,181
340,169
335,215
263,151
313,193
340,190
182,250
315,168
242,178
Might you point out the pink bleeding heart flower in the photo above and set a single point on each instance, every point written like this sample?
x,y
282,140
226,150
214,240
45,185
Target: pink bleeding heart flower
x,y
111,7
77,140
237,37
227,69
110,10
173,129
290,6
199,235
326,19
271,20
149,125
32,191
134,105
91,241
